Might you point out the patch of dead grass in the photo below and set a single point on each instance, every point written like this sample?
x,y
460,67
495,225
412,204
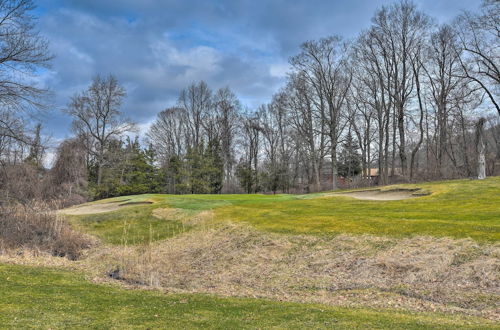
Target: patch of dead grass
x,y
417,274
420,273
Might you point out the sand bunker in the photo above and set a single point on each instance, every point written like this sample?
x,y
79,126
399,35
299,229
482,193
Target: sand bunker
x,y
384,195
135,203
100,208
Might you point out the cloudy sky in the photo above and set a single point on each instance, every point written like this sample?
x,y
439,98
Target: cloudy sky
x,y
157,47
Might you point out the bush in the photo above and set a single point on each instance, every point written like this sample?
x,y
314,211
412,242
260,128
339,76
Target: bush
x,y
35,226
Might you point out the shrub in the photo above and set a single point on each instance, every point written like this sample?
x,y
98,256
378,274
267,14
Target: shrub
x,y
35,226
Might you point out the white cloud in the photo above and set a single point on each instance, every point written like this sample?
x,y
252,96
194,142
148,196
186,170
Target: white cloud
x,y
279,70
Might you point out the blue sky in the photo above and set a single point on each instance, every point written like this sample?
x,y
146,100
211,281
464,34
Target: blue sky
x,y
157,47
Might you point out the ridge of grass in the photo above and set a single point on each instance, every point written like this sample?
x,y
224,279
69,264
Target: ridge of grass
x,y
35,297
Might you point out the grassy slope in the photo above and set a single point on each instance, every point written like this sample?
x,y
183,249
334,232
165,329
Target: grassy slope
x,y
458,209
45,298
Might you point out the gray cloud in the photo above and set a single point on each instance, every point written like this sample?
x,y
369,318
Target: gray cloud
x,y
156,48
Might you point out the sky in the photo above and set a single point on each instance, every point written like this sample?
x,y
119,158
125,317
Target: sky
x,y
158,47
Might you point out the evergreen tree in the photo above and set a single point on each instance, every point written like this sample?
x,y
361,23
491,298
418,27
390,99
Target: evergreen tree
x,y
246,176
214,166
176,176
197,170
350,159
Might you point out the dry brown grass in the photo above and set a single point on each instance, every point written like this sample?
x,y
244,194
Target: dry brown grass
x,y
37,228
417,274
420,273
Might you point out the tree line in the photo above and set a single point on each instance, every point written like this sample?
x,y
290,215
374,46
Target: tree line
x,y
406,100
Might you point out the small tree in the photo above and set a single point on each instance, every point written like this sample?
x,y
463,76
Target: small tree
x,y
176,176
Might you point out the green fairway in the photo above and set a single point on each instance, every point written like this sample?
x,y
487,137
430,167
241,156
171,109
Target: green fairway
x,y
458,209
47,298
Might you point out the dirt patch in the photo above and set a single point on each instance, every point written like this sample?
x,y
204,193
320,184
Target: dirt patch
x,y
99,207
385,195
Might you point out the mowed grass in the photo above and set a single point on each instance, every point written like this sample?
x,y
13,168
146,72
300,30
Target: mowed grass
x,y
137,225
458,209
49,298
130,226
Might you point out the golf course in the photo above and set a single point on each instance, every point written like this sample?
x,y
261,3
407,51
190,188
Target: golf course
x,y
405,256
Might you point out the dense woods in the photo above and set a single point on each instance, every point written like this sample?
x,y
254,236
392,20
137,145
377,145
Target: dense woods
x,y
407,100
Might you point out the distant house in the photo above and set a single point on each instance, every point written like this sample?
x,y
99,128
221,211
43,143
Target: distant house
x,y
372,173
326,178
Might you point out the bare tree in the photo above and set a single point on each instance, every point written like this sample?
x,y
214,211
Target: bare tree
x,y
442,70
323,67
169,133
227,108
417,66
309,126
250,140
400,29
480,40
68,175
373,80
23,51
196,100
96,115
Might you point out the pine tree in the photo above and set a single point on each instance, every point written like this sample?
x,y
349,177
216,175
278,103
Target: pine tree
x,y
246,176
214,166
350,159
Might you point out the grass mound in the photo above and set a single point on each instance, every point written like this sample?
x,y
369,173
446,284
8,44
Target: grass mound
x,y
419,273
44,298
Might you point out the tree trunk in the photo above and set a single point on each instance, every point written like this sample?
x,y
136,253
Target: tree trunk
x,y
481,149
334,167
402,142
99,170
420,124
